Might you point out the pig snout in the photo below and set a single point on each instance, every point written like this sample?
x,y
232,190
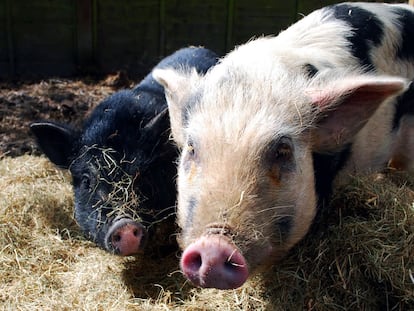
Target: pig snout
x,y
125,237
213,261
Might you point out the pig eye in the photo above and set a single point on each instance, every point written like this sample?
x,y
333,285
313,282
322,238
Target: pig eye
x,y
279,157
190,149
190,156
283,149
86,182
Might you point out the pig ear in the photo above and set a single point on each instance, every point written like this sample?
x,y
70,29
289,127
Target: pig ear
x,y
345,107
56,141
177,86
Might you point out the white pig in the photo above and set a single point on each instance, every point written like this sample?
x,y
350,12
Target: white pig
x,y
269,131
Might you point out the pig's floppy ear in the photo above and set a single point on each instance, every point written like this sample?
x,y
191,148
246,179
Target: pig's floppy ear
x,y
177,86
344,108
56,141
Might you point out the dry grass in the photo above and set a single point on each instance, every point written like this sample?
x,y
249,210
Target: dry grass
x,y
359,256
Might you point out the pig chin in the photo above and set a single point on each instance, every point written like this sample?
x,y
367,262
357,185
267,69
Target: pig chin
x,y
259,257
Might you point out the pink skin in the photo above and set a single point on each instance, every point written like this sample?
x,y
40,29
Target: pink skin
x,y
126,238
213,261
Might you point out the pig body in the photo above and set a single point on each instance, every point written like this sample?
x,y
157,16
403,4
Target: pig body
x,y
269,131
122,161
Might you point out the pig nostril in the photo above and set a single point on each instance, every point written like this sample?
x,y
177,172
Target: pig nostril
x,y
116,238
195,262
136,232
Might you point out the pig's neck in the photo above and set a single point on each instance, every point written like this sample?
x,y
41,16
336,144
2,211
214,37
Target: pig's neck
x,y
326,167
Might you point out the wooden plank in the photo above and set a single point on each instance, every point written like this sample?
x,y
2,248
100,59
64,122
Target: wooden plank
x,y
84,33
9,36
45,68
230,25
307,6
7,54
44,33
261,17
196,22
128,35
162,28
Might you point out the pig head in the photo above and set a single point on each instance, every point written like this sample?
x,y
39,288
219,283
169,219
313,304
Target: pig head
x,y
123,162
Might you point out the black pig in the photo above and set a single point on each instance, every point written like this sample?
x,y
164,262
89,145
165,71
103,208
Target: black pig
x,y
122,161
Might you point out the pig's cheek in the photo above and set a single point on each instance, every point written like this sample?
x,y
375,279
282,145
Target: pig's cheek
x,y
187,201
186,220
189,169
268,255
191,173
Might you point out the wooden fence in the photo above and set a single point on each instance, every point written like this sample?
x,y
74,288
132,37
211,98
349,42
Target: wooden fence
x,y
73,37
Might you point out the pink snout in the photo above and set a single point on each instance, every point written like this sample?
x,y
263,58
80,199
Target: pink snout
x,y
213,261
126,237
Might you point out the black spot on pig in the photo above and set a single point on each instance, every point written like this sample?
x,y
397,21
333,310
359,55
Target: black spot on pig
x,y
310,70
404,106
368,30
405,22
122,161
326,168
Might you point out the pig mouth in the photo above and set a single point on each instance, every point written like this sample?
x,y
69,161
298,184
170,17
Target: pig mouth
x,y
220,229
125,237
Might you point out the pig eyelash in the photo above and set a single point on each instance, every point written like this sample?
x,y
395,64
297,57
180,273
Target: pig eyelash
x,y
283,151
280,153
283,148
86,182
275,208
190,149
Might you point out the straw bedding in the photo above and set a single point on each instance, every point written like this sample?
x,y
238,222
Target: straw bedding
x,y
359,255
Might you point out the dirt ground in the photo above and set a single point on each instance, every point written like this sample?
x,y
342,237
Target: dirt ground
x,y
63,100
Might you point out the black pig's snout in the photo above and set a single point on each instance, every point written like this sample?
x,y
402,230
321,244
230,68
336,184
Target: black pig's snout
x,y
125,237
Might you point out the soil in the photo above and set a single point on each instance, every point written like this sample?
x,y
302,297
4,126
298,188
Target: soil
x,y
61,100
